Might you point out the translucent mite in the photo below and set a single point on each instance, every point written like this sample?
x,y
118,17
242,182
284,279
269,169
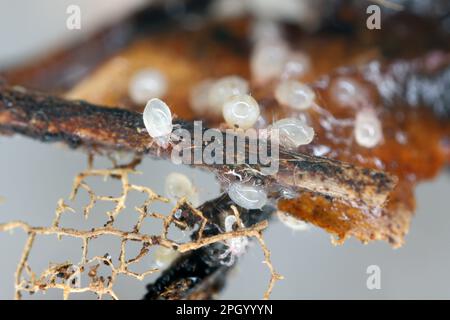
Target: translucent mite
x,y
179,186
294,94
293,132
147,84
297,64
247,196
164,256
368,132
158,121
268,60
291,222
199,98
235,246
241,111
225,88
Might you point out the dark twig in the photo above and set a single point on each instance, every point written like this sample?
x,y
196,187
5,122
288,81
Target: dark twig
x,y
79,123
201,273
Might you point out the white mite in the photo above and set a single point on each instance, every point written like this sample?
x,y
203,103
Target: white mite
x,y
241,111
297,65
293,132
294,94
291,222
199,98
178,185
158,121
164,256
268,60
225,88
147,84
348,92
368,132
235,246
247,196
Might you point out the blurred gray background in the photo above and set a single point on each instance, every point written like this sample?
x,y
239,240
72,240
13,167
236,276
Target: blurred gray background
x,y
33,176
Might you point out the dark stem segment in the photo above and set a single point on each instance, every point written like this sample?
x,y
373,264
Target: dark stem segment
x,y
201,274
79,123
188,277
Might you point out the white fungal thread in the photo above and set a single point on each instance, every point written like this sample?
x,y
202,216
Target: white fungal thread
x,y
247,196
233,173
293,132
236,247
241,111
158,122
179,186
147,84
368,131
295,95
